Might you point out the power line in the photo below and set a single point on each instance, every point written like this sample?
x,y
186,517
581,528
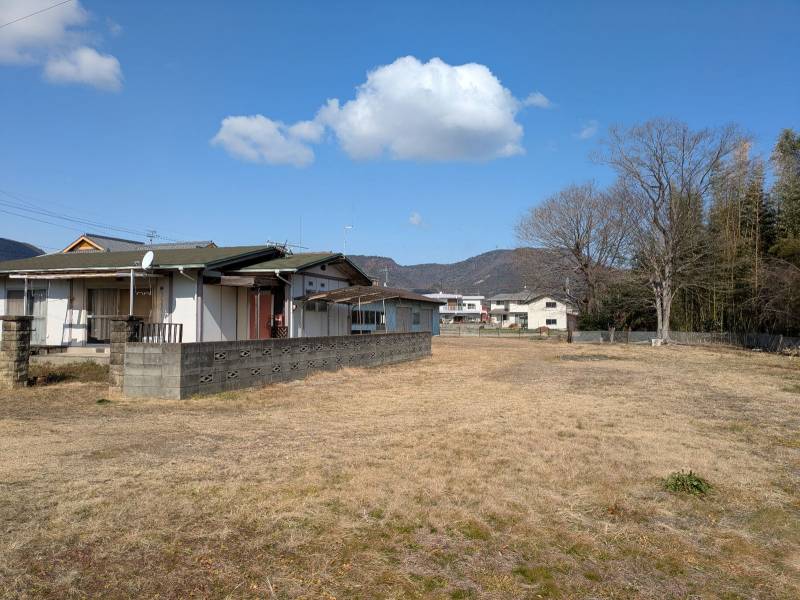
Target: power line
x,y
33,14
8,212
80,221
63,208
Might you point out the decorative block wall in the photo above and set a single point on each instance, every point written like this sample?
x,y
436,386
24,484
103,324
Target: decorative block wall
x,y
183,370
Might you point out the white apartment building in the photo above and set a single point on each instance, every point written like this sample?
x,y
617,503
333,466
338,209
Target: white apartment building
x,y
459,308
527,310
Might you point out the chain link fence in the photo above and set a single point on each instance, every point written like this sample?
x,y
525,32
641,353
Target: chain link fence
x,y
762,341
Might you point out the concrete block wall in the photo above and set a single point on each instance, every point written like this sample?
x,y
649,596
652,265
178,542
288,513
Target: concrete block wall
x,y
123,331
15,350
183,370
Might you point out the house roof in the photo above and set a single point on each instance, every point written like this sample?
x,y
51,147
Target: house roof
x,y
306,260
104,243
523,296
167,258
365,294
294,262
526,297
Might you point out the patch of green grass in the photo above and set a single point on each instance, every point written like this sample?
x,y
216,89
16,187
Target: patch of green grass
x,y
462,594
792,389
593,576
687,483
49,374
474,531
540,576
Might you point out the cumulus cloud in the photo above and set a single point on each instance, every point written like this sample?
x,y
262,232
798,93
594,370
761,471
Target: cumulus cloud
x,y
415,219
588,130
262,140
407,110
55,38
85,65
538,100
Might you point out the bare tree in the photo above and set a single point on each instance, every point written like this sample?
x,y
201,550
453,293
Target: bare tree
x,y
587,227
666,171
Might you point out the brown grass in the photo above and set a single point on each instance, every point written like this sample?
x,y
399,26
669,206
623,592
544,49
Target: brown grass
x,y
498,468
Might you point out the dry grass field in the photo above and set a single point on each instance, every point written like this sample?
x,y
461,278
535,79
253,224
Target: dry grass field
x,y
496,469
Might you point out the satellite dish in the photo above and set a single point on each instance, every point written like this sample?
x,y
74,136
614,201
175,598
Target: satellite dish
x,y
147,261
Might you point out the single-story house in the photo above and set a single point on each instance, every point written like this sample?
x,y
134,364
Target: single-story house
x,y
532,311
212,293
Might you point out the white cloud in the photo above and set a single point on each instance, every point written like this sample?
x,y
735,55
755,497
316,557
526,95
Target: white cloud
x,y
55,38
588,130
539,100
85,65
415,219
409,110
262,140
427,111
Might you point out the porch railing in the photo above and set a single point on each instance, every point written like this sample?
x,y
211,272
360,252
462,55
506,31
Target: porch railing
x,y
160,333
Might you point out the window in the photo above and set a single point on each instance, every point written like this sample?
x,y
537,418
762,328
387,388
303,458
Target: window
x,y
551,322
415,318
549,304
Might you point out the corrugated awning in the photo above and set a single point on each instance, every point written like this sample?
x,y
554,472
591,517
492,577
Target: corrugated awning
x,y
364,294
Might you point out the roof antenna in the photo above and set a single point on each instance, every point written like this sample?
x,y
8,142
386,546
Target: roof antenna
x,y
151,234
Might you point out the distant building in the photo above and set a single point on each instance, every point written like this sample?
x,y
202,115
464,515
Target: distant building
x,y
531,311
459,308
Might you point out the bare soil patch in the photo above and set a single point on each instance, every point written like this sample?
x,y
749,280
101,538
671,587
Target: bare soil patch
x,y
495,469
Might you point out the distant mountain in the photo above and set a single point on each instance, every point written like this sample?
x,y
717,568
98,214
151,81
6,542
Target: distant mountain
x,y
12,250
486,274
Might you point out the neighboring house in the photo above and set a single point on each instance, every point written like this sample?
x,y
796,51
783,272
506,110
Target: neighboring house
x,y
526,310
458,308
379,309
92,242
215,294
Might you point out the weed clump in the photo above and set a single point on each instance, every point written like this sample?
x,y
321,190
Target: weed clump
x,y
687,483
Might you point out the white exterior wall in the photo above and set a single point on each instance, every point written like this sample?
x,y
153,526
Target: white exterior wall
x,y
57,321
184,305
336,320
219,313
77,313
242,314
2,302
538,314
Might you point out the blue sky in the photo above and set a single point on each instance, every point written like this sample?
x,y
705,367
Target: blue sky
x,y
110,113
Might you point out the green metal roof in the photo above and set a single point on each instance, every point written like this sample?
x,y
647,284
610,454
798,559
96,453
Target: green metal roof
x,y
292,262
163,259
305,260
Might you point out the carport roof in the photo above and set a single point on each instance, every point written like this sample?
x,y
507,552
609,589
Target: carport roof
x,y
364,294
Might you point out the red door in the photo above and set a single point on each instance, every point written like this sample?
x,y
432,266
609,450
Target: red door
x,y
260,309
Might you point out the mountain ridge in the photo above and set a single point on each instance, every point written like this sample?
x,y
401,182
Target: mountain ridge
x,y
489,273
13,250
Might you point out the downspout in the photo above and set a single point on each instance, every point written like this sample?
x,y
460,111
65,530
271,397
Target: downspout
x,y
199,306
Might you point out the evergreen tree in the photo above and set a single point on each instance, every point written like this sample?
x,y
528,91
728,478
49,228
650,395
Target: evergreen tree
x,y
786,162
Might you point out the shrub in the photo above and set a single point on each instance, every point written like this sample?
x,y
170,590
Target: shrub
x,y
687,483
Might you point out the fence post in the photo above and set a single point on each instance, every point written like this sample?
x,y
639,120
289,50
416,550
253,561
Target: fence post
x,y
123,330
15,350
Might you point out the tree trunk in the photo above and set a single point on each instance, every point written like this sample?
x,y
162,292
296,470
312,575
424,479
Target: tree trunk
x,y
659,307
